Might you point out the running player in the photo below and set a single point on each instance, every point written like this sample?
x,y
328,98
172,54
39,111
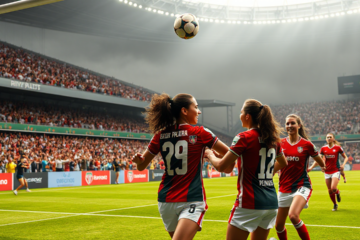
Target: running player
x,y
295,186
181,195
256,205
116,164
330,154
20,174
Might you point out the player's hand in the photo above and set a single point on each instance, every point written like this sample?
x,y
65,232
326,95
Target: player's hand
x,y
341,167
138,158
309,169
208,153
218,155
323,169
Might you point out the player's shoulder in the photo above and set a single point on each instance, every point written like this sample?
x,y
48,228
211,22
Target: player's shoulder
x,y
324,147
249,133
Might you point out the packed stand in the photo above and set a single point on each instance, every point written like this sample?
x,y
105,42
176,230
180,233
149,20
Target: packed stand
x,y
49,152
338,117
19,64
58,116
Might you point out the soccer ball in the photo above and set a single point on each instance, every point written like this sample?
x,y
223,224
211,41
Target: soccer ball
x,y
186,26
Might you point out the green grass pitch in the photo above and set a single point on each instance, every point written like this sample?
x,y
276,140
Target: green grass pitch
x,y
129,211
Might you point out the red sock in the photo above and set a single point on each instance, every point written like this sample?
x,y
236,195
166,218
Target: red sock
x,y
282,235
332,196
337,191
302,231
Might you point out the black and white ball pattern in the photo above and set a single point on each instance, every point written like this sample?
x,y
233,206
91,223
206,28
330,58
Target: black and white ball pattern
x,y
186,26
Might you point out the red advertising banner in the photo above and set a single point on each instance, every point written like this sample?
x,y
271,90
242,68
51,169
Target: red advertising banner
x,y
214,173
6,181
134,176
95,177
356,167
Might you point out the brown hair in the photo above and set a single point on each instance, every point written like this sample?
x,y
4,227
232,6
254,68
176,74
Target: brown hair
x,y
303,131
164,111
335,141
262,116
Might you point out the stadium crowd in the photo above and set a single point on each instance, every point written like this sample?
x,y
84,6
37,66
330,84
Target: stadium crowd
x,y
59,116
69,153
23,65
338,117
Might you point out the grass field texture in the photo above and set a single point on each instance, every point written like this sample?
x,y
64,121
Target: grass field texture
x,y
129,211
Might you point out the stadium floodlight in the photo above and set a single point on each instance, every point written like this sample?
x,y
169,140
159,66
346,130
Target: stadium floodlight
x,y
130,3
222,21
121,0
167,13
135,4
140,6
24,4
125,1
211,20
172,14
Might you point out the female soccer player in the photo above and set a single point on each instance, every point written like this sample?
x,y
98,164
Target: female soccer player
x,y
294,185
181,195
330,155
256,205
20,174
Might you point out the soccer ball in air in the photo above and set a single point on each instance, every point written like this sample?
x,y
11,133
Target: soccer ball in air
x,y
186,26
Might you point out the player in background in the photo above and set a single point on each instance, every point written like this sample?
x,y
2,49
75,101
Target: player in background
x,y
181,195
117,166
256,149
330,154
22,163
294,185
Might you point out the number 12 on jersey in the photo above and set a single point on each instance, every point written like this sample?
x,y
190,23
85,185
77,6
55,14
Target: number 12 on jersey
x,y
266,172
177,152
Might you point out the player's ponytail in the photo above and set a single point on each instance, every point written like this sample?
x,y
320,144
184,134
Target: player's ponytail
x,y
335,141
262,116
164,111
303,131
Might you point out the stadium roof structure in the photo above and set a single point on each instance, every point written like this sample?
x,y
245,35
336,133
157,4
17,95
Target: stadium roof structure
x,y
217,103
135,19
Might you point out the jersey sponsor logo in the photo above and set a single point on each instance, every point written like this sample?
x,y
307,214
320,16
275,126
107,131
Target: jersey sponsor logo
x,y
235,140
130,176
300,149
193,139
89,178
292,158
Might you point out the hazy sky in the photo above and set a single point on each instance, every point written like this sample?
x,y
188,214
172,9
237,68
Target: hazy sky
x,y
276,64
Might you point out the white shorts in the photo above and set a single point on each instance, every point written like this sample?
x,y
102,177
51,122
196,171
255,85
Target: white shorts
x,y
334,175
285,199
250,219
171,213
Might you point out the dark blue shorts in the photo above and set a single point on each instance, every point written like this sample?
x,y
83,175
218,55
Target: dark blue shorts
x,y
19,176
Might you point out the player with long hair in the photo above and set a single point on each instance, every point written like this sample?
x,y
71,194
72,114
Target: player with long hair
x,y
181,195
330,154
256,149
294,185
22,163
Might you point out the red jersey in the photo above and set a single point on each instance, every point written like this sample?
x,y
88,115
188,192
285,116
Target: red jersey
x,y
332,158
182,147
256,165
295,175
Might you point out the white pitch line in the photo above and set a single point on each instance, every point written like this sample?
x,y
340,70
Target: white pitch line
x,y
130,216
222,196
124,208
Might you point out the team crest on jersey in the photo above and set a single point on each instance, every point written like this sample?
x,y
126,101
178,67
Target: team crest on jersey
x,y
300,149
89,178
130,176
193,139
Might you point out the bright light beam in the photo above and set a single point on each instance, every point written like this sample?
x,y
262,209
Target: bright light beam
x,y
24,4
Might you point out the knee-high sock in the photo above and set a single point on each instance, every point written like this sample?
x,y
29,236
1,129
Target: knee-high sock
x,y
302,230
332,196
282,234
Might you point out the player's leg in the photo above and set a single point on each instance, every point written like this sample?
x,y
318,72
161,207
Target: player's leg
x,y
21,181
296,207
186,229
331,194
169,216
334,185
117,177
234,233
190,220
342,172
260,234
26,185
280,222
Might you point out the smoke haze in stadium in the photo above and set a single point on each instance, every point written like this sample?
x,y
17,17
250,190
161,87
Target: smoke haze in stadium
x,y
277,64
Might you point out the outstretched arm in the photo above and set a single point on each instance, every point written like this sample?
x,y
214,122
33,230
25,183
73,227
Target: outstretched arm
x,y
221,164
142,160
221,148
280,163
